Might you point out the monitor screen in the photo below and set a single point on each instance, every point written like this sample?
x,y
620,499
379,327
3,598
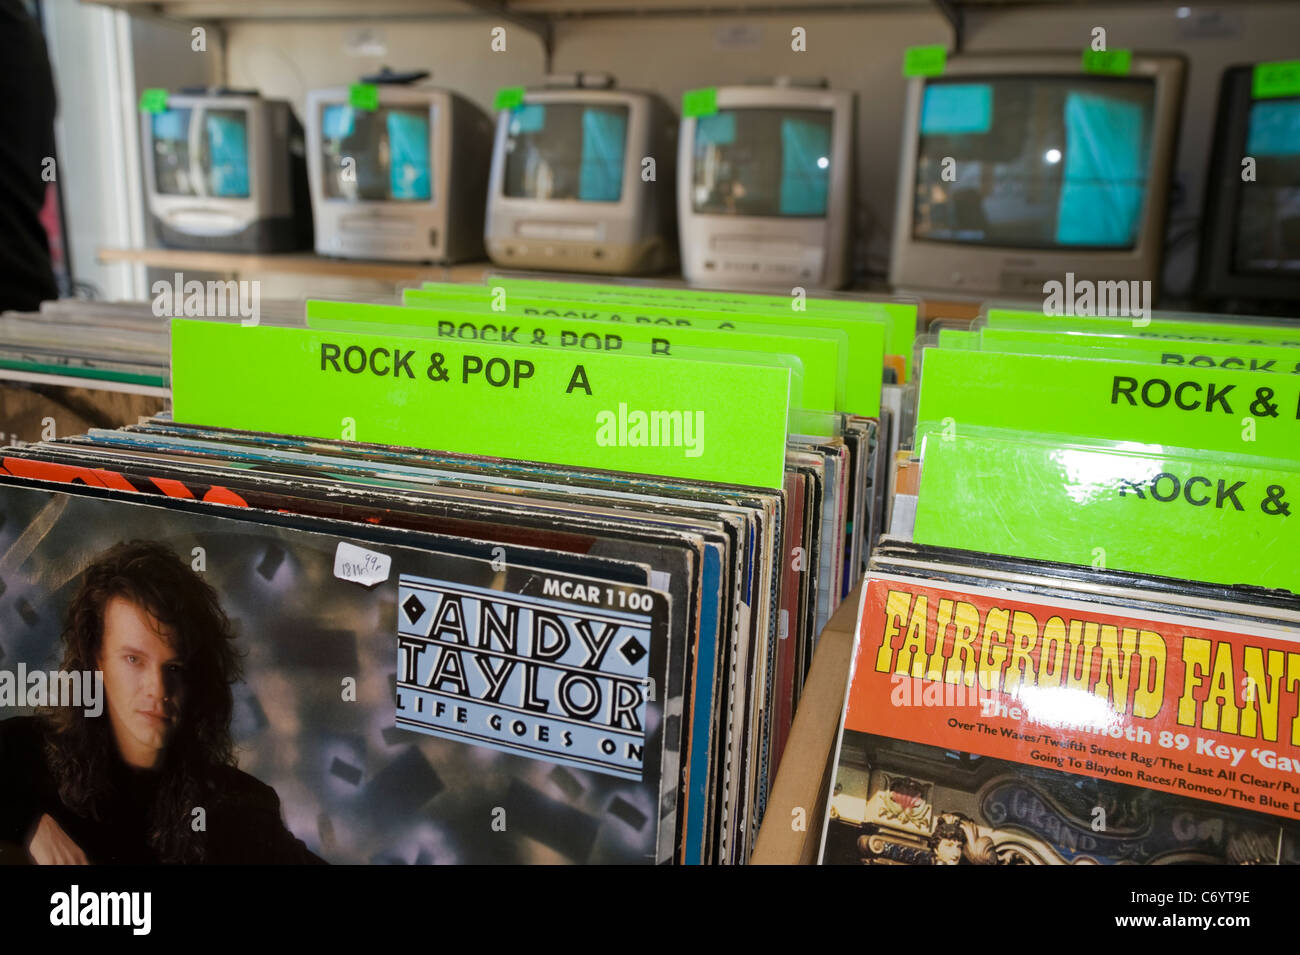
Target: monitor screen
x,y
762,161
1034,162
1268,220
566,151
376,154
219,164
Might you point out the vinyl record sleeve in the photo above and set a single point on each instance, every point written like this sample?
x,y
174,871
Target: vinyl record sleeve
x,y
466,517
813,468
754,609
321,716
1042,724
702,690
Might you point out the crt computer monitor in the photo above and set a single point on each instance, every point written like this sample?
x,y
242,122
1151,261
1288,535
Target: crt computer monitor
x,y
570,188
226,171
403,181
1017,169
765,189
1250,226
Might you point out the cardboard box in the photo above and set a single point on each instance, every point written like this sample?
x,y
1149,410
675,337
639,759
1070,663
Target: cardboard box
x,y
792,827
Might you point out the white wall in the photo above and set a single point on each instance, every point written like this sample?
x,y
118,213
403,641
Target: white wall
x,y
101,59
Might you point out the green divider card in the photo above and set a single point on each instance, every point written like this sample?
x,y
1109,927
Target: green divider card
x,y
925,60
363,96
1173,327
899,317
1221,521
1270,80
509,97
818,359
866,334
1278,359
621,412
865,339
959,338
153,101
701,102
1108,62
1214,409
815,419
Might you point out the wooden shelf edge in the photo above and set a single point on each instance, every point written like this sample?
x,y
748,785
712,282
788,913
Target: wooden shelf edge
x,y
804,776
294,263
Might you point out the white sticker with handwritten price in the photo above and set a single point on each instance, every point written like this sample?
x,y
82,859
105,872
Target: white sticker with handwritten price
x,y
361,566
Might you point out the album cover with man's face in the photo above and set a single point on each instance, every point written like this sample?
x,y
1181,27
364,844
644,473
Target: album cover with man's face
x,y
404,704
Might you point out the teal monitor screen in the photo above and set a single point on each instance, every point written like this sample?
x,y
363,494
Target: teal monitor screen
x,y
763,161
380,154
218,167
172,171
226,141
1034,162
1267,236
561,150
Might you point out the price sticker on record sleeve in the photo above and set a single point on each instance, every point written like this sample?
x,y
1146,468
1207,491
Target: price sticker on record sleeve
x,y
360,565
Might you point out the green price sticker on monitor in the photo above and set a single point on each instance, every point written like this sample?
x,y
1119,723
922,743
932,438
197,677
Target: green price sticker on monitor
x,y
364,96
153,101
701,102
1271,80
925,61
509,97
1108,62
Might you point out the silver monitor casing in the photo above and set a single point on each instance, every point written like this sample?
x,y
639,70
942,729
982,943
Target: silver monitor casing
x,y
633,236
742,251
263,222
978,271
447,228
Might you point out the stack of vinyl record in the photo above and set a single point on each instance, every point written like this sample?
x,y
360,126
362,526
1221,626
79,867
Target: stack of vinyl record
x,y
76,365
512,585
1088,652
